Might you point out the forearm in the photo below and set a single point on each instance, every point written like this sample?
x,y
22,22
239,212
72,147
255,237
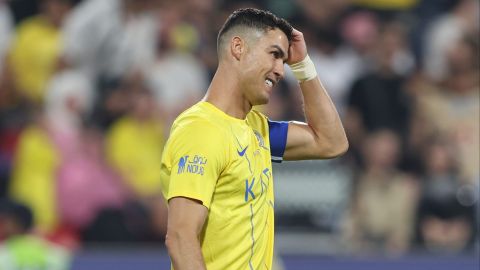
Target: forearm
x,y
322,117
185,252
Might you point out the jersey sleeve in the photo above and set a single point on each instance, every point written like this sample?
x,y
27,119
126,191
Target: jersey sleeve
x,y
198,157
278,139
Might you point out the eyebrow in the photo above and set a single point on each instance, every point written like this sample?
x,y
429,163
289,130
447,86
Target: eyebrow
x,y
280,50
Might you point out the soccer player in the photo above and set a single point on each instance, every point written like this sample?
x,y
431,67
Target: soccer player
x,y
216,166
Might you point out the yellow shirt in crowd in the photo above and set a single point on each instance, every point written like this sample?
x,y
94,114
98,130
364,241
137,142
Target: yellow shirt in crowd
x,y
34,176
134,148
34,55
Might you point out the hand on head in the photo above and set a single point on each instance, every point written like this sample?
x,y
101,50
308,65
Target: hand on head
x,y
298,48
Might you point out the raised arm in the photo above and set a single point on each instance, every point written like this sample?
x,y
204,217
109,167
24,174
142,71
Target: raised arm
x,y
322,136
186,218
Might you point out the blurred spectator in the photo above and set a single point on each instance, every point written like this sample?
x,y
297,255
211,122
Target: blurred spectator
x,y
108,41
442,179
445,226
418,134
14,117
85,177
6,31
134,144
337,65
178,79
69,100
23,250
445,32
111,103
452,108
378,99
206,16
33,180
33,66
382,210
426,12
360,30
111,38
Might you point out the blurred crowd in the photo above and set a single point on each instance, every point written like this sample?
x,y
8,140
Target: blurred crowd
x,y
89,89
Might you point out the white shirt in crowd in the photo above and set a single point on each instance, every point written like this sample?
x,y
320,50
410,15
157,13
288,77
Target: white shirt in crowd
x,y
100,40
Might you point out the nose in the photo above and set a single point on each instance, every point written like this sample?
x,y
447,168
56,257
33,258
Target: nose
x,y
279,69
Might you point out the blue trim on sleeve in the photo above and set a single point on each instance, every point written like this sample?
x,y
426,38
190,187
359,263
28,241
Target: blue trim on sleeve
x,y
278,139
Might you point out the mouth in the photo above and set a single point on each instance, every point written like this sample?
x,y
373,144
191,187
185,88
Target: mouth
x,y
270,82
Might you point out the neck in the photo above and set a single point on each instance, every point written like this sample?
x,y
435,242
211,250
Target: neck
x,y
225,93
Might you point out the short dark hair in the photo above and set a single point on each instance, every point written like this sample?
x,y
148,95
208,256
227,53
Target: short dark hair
x,y
255,19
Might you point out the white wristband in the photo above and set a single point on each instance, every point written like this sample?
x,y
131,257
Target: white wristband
x,y
304,70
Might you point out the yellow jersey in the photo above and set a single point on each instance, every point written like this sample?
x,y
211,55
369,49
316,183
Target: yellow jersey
x,y
225,163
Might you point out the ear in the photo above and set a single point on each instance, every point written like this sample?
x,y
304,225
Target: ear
x,y
237,47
